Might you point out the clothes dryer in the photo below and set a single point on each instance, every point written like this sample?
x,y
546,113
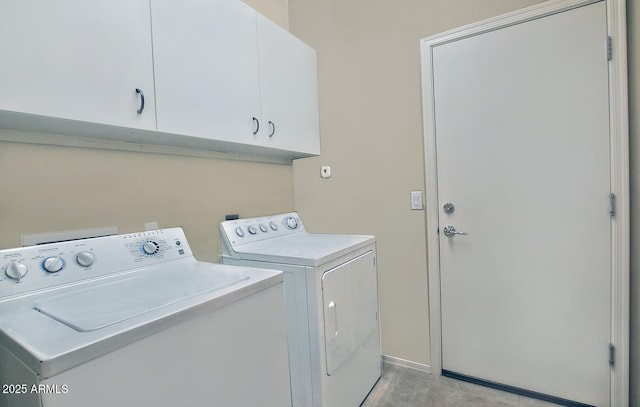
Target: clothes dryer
x,y
331,300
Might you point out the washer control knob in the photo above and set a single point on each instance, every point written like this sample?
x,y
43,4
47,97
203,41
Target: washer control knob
x,y
85,259
273,225
263,228
239,231
252,229
53,264
16,271
291,222
150,247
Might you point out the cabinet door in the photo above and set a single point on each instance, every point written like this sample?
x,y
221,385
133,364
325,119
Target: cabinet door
x,y
206,69
79,60
288,89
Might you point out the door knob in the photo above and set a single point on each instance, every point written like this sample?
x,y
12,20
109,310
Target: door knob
x,y
448,207
450,230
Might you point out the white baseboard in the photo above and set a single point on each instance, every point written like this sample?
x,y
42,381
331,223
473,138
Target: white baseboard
x,y
406,363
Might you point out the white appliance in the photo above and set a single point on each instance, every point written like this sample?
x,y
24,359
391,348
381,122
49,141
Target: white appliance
x,y
331,298
136,320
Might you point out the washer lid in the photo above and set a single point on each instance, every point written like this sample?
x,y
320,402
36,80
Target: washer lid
x,y
52,331
304,249
97,307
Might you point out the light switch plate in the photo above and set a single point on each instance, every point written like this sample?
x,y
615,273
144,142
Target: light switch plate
x,y
416,200
325,171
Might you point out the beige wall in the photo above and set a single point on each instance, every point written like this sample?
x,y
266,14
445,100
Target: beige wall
x,y
47,188
371,126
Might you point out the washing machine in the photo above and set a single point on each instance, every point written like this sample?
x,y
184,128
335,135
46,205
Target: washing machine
x,y
331,300
136,320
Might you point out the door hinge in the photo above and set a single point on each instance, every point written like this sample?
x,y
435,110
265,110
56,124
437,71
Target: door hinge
x,y
609,49
612,355
612,204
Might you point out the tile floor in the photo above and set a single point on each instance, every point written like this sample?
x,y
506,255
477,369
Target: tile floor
x,y
405,387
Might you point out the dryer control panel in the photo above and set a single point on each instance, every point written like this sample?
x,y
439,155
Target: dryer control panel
x,y
241,231
43,266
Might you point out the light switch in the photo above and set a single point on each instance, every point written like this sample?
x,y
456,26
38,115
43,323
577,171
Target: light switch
x,y
416,200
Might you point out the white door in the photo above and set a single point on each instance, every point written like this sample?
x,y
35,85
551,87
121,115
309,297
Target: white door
x,y
206,69
78,60
522,139
288,89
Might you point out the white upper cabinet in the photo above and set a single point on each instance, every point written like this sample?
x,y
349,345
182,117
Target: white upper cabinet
x,y
77,60
222,75
206,69
211,74
288,90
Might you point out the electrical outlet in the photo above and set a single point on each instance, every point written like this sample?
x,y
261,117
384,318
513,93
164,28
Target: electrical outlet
x,y
325,171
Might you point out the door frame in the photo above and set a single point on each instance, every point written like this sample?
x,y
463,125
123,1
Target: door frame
x,y
619,142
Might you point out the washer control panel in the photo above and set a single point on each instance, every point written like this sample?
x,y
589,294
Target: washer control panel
x,y
248,230
33,268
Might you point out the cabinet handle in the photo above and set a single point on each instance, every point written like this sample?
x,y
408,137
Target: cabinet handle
x,y
257,122
273,128
141,93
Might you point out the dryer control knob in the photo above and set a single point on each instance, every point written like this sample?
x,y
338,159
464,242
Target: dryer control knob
x,y
53,264
291,222
15,270
264,228
239,231
252,229
85,259
273,226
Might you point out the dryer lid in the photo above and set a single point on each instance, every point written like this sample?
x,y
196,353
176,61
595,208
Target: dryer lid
x,y
304,249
